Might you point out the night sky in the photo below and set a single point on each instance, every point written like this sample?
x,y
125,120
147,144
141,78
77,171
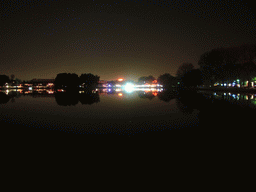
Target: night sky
x,y
116,39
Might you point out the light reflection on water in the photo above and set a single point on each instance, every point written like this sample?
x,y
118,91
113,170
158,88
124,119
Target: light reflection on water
x,y
114,111
96,111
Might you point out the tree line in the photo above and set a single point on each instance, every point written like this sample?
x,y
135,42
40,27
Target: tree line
x,y
62,80
233,65
72,81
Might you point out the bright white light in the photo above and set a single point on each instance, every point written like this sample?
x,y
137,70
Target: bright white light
x,y
129,87
30,88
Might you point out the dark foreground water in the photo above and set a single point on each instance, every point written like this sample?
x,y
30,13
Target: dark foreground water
x,y
139,113
119,133
94,113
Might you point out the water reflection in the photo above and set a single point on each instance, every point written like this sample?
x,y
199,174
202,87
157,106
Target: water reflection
x,y
4,98
242,99
88,98
147,94
66,98
120,112
72,98
167,95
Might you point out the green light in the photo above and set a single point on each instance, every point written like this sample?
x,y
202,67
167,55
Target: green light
x,y
254,102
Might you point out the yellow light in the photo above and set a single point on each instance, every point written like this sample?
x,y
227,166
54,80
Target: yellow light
x,y
120,94
120,79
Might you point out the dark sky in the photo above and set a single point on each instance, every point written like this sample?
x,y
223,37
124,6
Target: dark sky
x,y
115,39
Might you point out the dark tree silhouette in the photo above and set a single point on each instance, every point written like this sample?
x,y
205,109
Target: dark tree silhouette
x,y
192,78
211,65
149,79
247,53
4,79
66,81
167,80
184,68
89,80
222,64
248,72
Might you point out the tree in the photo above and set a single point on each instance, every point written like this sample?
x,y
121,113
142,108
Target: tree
x,y
68,81
247,53
4,79
167,80
89,80
222,64
18,81
247,72
149,79
183,69
211,65
192,78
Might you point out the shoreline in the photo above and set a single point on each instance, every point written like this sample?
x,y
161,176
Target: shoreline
x,y
229,89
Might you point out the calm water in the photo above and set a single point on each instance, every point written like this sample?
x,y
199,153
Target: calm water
x,y
121,113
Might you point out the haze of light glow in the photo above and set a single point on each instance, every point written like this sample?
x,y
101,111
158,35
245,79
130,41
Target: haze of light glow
x,y
129,87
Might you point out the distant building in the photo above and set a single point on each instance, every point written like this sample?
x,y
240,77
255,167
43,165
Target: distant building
x,y
42,82
102,83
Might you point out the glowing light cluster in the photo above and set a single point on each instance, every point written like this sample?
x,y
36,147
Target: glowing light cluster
x,y
129,87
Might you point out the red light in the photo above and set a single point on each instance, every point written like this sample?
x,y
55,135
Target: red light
x,y
155,94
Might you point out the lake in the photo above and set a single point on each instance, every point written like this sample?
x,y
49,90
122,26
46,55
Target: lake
x,y
125,114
